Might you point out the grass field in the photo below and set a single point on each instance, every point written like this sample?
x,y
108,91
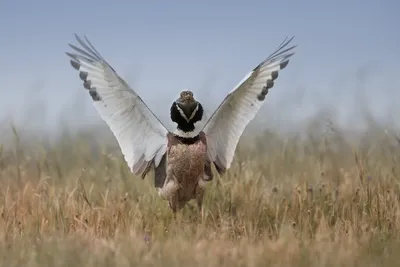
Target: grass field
x,y
320,200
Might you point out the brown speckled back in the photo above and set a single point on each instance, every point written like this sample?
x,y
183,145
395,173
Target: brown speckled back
x,y
187,165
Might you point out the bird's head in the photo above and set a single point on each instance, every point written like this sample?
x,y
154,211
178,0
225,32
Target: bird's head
x,y
186,111
187,105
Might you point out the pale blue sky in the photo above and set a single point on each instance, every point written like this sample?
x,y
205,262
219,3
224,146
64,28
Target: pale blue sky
x,y
162,47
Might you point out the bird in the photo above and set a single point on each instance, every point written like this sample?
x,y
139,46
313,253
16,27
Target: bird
x,y
182,159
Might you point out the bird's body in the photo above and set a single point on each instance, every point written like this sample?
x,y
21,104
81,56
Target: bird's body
x,y
181,159
185,171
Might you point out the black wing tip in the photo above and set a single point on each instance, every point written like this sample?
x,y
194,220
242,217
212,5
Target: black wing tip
x,y
81,42
258,66
284,64
274,75
70,55
285,42
76,38
91,53
79,38
261,97
75,64
83,75
87,85
269,84
95,96
278,52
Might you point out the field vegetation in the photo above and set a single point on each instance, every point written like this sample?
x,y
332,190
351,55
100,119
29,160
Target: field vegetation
x,y
319,197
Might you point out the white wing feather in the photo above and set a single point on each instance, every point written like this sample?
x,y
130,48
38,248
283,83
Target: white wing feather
x,y
240,106
141,136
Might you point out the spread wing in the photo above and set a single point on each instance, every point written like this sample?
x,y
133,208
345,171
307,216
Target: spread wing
x,y
240,106
140,135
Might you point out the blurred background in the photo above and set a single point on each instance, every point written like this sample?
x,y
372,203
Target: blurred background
x,y
345,64
321,200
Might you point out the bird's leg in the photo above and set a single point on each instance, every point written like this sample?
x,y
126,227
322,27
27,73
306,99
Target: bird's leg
x,y
173,208
199,199
200,195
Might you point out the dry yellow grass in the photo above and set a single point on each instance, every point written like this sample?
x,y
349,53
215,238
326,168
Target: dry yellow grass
x,y
317,201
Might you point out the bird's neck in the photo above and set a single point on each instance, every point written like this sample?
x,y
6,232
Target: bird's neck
x,y
186,134
187,140
185,126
